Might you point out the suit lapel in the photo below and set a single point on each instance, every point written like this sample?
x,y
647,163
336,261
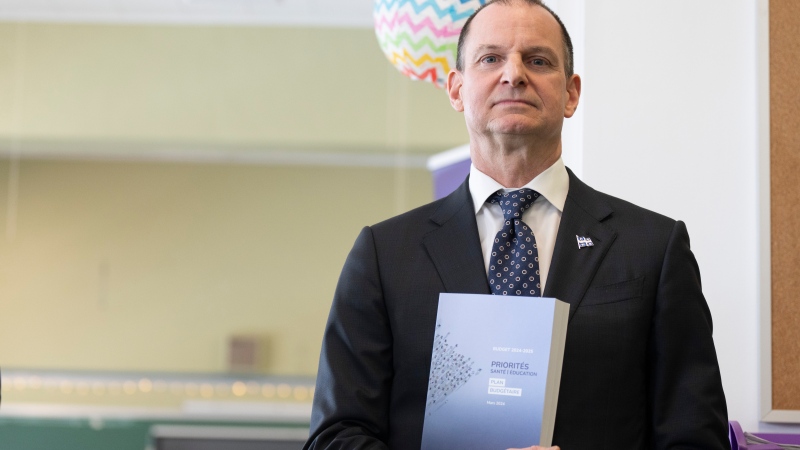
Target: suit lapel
x,y
572,269
454,247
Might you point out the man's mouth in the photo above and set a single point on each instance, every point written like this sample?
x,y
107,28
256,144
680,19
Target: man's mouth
x,y
515,101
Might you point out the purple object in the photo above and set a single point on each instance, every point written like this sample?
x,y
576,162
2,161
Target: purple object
x,y
738,441
446,179
780,438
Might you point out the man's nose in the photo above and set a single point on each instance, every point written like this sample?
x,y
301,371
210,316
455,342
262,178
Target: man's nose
x,y
514,72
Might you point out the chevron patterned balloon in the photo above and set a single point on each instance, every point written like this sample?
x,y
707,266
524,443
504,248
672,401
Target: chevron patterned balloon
x,y
420,36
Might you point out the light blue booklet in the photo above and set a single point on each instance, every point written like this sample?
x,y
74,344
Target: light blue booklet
x,y
495,372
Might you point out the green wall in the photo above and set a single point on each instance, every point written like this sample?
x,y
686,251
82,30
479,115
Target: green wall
x,y
145,266
317,88
133,265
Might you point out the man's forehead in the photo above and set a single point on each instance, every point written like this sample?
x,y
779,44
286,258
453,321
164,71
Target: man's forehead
x,y
513,9
488,27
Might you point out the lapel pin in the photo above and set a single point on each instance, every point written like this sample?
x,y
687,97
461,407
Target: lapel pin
x,y
584,242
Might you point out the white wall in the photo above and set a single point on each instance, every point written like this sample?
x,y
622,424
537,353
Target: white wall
x,y
572,13
670,99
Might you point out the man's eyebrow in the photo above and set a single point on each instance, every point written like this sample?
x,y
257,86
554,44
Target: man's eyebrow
x,y
485,47
541,49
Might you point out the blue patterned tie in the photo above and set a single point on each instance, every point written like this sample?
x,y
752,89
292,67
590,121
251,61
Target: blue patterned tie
x,y
514,265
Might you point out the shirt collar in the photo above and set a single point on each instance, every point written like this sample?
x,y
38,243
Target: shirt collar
x,y
552,184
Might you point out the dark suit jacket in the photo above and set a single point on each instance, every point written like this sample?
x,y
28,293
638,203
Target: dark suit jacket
x,y
640,370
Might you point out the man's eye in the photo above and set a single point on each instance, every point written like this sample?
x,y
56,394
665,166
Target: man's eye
x,y
538,62
490,59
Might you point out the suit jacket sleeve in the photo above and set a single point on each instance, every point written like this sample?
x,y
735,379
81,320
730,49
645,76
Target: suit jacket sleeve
x,y
351,401
689,409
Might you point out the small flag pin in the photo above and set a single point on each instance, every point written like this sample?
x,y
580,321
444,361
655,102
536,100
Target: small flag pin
x,y
584,242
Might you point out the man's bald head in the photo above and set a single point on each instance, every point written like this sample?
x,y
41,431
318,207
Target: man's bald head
x,y
569,63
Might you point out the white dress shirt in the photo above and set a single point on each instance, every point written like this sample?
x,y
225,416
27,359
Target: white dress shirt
x,y
543,217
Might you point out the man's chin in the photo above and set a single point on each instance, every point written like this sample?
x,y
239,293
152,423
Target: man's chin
x,y
516,128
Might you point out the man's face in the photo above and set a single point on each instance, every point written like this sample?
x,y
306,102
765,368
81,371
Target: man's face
x,y
514,82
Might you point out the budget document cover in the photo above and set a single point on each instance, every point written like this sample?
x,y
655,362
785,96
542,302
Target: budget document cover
x,y
495,370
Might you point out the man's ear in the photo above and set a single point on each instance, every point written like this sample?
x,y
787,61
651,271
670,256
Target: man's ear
x,y
573,95
453,87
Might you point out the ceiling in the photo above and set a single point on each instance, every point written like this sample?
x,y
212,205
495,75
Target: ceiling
x,y
325,13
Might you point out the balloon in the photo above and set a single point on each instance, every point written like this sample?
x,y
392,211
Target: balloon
x,y
420,36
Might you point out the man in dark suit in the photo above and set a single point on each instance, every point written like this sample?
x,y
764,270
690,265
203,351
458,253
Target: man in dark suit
x,y
640,369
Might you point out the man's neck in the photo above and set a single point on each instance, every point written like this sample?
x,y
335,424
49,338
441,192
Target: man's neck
x,y
513,166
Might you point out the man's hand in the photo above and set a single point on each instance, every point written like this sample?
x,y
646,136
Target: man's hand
x,y
536,447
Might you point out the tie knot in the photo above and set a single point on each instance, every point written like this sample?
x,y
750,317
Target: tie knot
x,y
514,203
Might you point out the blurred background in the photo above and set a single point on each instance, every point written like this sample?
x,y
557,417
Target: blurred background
x,y
174,183
181,181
